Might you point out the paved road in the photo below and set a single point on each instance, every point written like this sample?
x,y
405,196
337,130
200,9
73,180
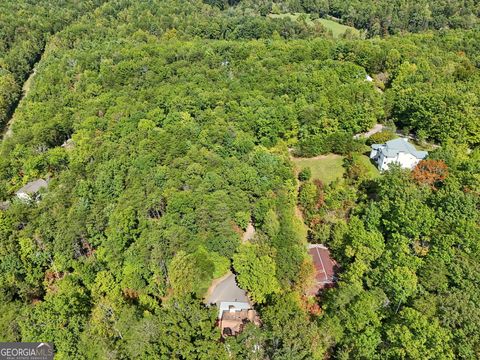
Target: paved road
x,y
227,290
377,128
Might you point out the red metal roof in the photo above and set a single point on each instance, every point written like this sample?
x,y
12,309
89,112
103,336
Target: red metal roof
x,y
324,266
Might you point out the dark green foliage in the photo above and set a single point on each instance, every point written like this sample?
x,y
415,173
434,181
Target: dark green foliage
x,y
381,137
292,335
165,128
382,17
24,29
305,174
407,257
9,93
338,143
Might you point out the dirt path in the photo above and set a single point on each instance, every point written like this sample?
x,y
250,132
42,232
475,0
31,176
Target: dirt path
x,y
299,214
298,211
25,90
249,233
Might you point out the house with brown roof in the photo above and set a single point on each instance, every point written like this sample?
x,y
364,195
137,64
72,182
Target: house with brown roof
x,y
233,316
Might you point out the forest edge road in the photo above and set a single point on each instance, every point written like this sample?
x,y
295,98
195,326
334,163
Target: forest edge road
x,y
25,89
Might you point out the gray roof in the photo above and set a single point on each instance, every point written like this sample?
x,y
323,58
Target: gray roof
x,y
237,305
393,147
33,187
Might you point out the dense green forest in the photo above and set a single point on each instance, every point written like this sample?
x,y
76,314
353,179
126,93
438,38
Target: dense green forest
x,y
24,29
166,127
375,17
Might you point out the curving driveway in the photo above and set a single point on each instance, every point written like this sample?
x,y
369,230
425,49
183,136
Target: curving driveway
x,y
226,290
377,128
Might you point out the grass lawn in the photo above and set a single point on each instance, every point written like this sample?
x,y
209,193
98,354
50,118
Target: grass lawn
x,y
326,168
336,28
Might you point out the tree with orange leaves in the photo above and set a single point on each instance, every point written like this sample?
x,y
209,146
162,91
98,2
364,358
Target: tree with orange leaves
x,y
430,172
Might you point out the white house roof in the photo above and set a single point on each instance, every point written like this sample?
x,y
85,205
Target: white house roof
x,y
33,187
393,147
235,305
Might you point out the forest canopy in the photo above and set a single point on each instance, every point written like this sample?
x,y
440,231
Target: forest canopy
x,y
166,128
376,17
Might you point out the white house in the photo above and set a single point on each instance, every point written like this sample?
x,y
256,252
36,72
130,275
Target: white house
x,y
232,306
398,151
29,191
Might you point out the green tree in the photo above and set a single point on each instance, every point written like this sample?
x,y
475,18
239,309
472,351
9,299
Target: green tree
x,y
256,271
413,336
9,93
186,330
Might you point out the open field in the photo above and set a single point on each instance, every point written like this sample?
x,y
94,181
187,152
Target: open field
x,y
336,28
326,168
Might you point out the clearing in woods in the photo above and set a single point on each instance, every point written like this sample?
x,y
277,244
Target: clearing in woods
x,y
326,168
335,27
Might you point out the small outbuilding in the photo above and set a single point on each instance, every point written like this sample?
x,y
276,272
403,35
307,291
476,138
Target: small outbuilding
x,y
30,191
397,151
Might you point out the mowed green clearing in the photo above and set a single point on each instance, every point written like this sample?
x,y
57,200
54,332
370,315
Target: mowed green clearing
x,y
326,168
336,28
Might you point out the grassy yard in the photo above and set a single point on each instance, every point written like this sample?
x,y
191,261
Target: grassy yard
x,y
336,28
326,168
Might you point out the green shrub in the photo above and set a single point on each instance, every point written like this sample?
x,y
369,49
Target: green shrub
x,y
381,137
305,174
